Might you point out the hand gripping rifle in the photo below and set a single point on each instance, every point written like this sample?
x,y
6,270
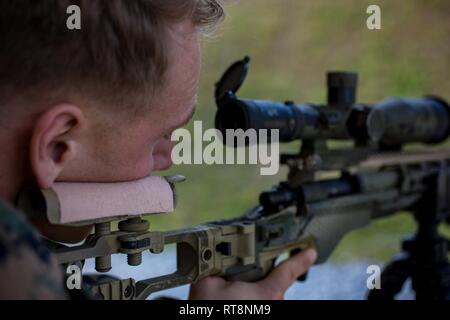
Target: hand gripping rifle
x,y
376,179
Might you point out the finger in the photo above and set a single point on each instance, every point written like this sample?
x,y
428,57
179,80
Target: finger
x,y
284,275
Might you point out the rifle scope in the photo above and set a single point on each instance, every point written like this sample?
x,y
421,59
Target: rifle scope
x,y
392,123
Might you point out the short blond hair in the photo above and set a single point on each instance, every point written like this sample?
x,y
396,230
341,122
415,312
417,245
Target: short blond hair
x,y
120,50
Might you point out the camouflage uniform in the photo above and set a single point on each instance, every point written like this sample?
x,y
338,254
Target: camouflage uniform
x,y
27,268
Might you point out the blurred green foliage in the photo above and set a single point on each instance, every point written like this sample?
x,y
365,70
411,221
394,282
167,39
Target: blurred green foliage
x,y
293,43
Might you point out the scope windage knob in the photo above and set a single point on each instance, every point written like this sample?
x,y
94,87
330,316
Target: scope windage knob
x,y
342,88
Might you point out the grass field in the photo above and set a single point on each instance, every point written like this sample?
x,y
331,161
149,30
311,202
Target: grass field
x,y
292,44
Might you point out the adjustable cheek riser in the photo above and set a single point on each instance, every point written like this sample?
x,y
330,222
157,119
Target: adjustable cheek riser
x,y
150,195
91,203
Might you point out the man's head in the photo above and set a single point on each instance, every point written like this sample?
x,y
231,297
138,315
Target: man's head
x,y
96,104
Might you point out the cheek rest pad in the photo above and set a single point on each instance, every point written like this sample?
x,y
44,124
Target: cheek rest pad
x,y
68,203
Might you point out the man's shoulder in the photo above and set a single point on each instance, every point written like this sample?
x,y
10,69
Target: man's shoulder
x,y
16,234
27,268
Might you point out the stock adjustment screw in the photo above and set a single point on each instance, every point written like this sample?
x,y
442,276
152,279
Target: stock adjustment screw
x,y
134,259
128,292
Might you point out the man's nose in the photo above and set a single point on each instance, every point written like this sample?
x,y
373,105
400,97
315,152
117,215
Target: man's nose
x,y
162,155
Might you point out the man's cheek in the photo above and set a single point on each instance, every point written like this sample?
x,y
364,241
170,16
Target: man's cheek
x,y
137,165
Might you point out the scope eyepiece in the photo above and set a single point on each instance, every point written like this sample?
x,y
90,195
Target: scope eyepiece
x,y
293,121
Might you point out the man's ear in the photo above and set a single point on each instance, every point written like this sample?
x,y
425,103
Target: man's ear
x,y
54,141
